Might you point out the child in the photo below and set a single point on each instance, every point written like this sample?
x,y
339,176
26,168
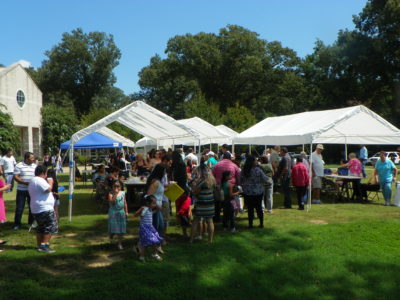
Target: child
x,y
183,212
3,187
148,235
228,207
52,180
117,213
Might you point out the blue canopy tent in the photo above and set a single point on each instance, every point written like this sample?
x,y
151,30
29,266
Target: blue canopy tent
x,y
93,140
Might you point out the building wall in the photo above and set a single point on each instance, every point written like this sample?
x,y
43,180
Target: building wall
x,y
28,117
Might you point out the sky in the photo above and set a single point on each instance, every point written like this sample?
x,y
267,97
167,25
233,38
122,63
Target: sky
x,y
141,29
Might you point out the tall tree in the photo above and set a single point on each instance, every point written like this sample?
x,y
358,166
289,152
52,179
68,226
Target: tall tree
x,y
81,65
235,66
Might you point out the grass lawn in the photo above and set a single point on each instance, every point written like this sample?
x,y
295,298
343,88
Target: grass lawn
x,y
334,251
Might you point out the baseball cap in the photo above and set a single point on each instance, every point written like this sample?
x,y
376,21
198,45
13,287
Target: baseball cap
x,y
211,153
320,146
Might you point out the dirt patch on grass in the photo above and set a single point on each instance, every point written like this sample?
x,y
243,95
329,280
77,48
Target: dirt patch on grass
x,y
318,222
104,260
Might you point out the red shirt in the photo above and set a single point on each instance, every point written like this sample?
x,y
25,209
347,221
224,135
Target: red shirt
x,y
183,206
300,175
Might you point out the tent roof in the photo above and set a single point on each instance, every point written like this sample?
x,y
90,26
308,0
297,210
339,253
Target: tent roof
x,y
93,140
351,125
116,137
226,130
143,119
145,141
208,133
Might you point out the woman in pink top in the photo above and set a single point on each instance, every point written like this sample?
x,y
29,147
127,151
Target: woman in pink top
x,y
3,187
355,169
354,165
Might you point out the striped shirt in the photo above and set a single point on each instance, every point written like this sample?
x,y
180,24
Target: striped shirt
x,y
26,173
146,216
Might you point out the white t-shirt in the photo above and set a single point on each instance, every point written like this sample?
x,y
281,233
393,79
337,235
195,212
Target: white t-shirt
x,y
40,200
26,172
8,163
192,157
317,164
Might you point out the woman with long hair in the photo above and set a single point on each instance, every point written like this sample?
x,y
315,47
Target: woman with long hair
x,y
155,187
204,206
253,180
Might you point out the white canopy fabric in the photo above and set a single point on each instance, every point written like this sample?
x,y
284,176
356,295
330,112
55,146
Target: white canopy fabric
x,y
351,125
143,119
208,133
226,130
145,141
116,137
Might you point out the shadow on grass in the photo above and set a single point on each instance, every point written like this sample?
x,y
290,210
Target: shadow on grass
x,y
256,264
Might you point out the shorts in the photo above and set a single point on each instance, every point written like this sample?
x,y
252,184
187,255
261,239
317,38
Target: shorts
x,y
165,211
57,202
47,222
316,182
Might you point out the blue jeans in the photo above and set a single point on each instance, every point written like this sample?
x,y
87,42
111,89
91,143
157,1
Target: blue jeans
x,y
363,163
268,196
386,188
22,197
286,191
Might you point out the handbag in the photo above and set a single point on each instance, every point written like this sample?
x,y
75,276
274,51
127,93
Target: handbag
x,y
235,205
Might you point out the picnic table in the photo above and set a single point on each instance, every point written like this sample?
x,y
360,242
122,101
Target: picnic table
x,y
343,193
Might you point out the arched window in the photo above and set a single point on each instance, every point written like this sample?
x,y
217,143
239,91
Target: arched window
x,y
20,98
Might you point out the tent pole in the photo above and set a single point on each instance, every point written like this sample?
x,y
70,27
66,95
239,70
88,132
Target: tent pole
x,y
309,184
303,148
71,179
345,151
233,148
249,149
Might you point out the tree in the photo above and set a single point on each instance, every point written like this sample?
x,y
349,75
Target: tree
x,y
9,134
239,118
199,107
81,65
58,124
233,66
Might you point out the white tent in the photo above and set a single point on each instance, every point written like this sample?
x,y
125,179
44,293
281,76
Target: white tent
x,y
144,142
208,133
226,130
351,125
139,117
116,137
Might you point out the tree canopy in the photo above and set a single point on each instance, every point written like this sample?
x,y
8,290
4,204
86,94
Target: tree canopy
x,y
9,135
80,66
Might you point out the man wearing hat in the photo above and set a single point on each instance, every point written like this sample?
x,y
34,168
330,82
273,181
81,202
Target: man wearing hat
x,y
317,173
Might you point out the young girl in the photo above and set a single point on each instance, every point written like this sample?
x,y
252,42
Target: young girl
x,y
148,235
3,187
229,211
117,213
183,212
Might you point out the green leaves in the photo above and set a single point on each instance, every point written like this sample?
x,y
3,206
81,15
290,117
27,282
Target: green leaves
x,y
9,135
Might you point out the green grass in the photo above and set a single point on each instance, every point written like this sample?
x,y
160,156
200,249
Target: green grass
x,y
334,251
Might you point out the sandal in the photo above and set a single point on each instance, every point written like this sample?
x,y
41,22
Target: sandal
x,y
157,257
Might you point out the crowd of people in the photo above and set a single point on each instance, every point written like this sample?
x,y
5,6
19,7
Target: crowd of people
x,y
212,184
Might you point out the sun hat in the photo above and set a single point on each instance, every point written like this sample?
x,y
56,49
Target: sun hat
x,y
211,153
320,146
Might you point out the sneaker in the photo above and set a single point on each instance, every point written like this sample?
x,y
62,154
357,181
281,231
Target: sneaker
x,y
16,227
142,259
198,238
269,211
233,230
157,257
387,203
45,249
120,247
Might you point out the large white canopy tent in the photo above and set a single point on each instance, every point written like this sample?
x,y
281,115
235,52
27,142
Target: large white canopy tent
x,y
351,125
139,117
227,131
207,134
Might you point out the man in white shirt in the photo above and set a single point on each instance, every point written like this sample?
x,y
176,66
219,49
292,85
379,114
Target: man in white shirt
x,y
317,173
192,157
42,207
23,173
7,163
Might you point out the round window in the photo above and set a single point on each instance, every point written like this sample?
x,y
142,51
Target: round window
x,y
20,98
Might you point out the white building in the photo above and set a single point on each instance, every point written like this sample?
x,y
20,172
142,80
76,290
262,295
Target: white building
x,y
23,101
